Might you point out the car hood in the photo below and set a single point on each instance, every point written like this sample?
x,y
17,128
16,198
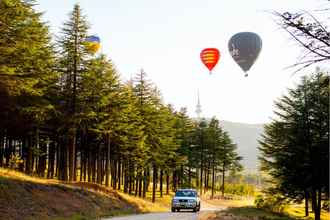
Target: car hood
x,y
185,198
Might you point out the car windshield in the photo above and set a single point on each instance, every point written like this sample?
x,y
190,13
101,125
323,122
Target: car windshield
x,y
185,194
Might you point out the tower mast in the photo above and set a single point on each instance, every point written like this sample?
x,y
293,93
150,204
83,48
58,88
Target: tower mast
x,y
198,107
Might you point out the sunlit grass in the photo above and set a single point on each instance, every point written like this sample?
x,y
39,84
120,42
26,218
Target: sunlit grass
x,y
162,204
231,203
24,177
250,212
298,211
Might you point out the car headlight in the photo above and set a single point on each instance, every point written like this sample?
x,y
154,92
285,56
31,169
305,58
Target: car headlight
x,y
175,201
191,200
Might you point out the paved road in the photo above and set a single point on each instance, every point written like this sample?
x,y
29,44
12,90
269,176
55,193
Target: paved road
x,y
184,215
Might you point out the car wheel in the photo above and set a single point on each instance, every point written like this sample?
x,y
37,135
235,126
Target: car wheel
x,y
195,209
173,209
178,210
199,208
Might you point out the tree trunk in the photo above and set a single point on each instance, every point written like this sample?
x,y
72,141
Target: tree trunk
x,y
90,163
213,179
51,159
189,177
29,158
93,167
130,178
126,176
223,180
140,183
107,161
306,202
174,181
42,159
154,182
119,174
72,153
161,183
317,212
144,183
201,181
167,183
99,165
82,164
205,179
75,158
137,185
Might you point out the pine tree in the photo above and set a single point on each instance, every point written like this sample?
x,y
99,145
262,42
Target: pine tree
x,y
295,146
26,75
73,59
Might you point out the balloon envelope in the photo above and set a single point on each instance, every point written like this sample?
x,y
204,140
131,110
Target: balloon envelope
x,y
210,57
93,43
93,39
244,48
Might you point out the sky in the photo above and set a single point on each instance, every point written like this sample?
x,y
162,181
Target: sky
x,y
165,38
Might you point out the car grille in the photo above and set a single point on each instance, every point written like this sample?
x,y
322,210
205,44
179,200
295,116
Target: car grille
x,y
183,200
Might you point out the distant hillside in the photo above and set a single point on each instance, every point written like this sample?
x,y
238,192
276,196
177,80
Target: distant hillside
x,y
245,136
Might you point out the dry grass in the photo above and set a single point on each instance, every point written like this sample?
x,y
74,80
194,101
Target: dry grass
x,y
249,213
23,197
26,197
231,203
146,206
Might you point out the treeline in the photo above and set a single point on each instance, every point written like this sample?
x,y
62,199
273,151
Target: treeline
x,y
295,145
65,114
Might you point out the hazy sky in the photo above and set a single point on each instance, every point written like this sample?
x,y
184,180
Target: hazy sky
x,y
165,37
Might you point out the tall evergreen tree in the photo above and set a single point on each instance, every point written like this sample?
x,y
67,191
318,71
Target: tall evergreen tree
x,y
73,59
295,147
26,75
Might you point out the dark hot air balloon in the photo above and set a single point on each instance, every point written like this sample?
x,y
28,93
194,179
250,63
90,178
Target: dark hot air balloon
x,y
210,57
244,48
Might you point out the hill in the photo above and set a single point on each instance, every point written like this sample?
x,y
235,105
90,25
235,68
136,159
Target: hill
x,y
24,198
246,137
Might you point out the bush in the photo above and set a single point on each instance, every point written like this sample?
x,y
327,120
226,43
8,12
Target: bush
x,y
259,201
15,161
240,189
326,205
274,203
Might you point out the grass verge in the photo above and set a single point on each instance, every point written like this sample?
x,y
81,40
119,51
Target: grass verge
x,y
23,197
249,212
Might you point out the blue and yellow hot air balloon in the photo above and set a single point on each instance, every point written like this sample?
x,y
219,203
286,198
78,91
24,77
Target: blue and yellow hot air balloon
x,y
93,43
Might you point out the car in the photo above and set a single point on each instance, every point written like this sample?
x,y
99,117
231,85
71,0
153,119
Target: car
x,y
186,199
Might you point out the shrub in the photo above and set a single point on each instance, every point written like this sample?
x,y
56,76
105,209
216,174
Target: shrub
x,y
259,201
274,203
240,189
14,161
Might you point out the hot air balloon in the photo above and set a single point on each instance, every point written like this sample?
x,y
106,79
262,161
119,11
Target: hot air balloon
x,y
93,43
244,48
210,57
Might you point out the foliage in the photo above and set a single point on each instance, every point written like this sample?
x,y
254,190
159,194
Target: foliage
x,y
259,201
274,203
240,189
15,161
311,34
295,147
67,112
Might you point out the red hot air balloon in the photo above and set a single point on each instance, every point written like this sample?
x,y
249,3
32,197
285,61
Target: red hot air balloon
x,y
210,57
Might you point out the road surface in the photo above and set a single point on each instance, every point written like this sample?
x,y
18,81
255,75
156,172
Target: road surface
x,y
206,209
